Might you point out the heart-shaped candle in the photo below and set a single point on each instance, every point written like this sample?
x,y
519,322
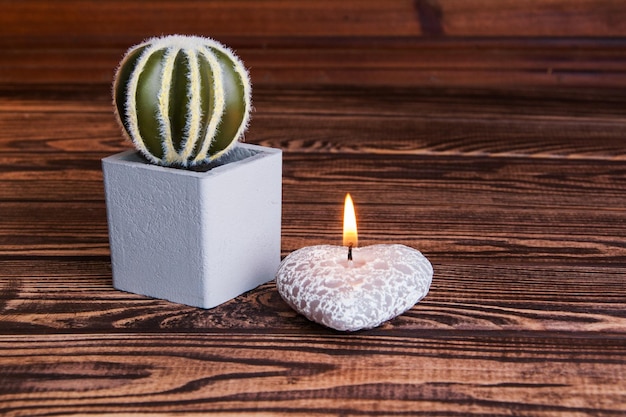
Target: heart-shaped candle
x,y
349,288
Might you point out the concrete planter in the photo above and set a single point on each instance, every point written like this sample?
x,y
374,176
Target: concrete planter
x,y
195,238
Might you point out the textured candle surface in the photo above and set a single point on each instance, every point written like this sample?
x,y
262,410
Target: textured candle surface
x,y
382,282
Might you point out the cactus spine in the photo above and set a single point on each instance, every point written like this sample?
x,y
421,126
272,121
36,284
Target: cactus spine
x,y
182,100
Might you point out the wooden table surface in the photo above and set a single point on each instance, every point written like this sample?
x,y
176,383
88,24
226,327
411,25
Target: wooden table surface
x,y
490,135
518,199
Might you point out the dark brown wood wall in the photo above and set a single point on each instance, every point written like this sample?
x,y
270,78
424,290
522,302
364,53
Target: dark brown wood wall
x,y
366,42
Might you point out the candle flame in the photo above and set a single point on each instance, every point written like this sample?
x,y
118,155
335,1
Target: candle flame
x,y
350,235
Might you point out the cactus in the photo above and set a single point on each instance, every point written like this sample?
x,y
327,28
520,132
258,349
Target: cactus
x,y
183,101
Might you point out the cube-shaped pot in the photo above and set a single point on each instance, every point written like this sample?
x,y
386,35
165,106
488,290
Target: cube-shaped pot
x,y
195,238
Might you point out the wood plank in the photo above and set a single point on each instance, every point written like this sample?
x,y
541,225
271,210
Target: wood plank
x,y
532,18
501,62
75,294
567,123
82,23
283,374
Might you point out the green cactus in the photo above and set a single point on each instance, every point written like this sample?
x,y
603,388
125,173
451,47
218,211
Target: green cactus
x,y
182,100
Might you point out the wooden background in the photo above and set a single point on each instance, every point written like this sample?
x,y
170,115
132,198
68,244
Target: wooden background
x,y
489,134
356,42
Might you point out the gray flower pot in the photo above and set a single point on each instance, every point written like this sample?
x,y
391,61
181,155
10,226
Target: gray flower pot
x,y
195,238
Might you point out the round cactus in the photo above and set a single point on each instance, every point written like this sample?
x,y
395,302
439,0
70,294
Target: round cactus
x,y
182,100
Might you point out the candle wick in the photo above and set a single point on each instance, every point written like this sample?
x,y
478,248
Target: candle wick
x,y
350,252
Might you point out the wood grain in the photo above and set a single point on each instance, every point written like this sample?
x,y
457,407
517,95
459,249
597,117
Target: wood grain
x,y
80,23
299,374
465,62
469,297
402,42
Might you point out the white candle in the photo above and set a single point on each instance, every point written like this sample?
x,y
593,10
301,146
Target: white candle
x,y
379,283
